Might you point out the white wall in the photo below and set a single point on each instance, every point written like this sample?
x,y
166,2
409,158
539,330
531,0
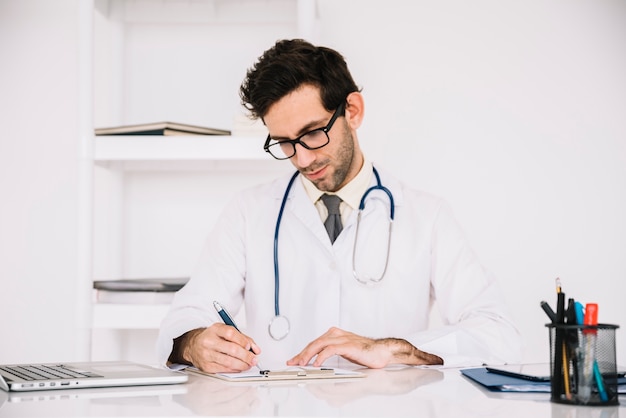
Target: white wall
x,y
515,112
43,296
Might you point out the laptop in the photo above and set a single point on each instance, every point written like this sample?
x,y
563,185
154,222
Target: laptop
x,y
48,376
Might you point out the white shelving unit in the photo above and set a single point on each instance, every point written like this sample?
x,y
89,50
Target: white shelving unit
x,y
156,197
162,154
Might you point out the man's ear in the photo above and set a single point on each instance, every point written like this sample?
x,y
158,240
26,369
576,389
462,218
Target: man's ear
x,y
355,109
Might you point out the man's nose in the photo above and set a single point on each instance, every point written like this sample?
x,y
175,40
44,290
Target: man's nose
x,y
304,157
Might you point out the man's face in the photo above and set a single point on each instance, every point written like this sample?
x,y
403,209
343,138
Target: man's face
x,y
329,167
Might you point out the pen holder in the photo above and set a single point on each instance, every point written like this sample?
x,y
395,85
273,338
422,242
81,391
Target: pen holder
x,y
583,369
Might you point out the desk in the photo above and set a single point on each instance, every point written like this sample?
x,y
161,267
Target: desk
x,y
402,392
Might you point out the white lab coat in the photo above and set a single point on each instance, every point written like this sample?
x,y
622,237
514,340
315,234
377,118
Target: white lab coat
x,y
430,260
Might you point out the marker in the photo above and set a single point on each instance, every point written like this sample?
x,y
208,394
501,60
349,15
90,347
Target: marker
x,y
591,370
591,318
580,313
228,320
548,310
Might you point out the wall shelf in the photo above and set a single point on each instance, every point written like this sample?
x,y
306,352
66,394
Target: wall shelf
x,y
181,152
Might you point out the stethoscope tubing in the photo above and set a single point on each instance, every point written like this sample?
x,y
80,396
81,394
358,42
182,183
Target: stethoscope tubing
x,y
378,186
278,222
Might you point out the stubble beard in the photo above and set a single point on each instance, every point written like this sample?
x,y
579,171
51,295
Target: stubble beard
x,y
344,161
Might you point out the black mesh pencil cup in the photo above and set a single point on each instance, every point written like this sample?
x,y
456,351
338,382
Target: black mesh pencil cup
x,y
583,369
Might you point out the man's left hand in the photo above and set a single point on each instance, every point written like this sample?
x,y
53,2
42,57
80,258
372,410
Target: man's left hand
x,y
368,352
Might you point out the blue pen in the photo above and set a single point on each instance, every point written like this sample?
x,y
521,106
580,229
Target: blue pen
x,y
604,397
229,321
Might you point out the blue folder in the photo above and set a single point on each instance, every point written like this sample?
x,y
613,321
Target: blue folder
x,y
501,383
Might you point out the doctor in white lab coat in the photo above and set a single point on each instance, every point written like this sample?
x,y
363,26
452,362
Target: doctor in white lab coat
x,y
332,315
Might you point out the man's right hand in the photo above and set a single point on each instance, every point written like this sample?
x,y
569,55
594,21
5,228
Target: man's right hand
x,y
219,348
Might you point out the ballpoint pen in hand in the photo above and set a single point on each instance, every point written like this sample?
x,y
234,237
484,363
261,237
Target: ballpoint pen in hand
x,y
228,320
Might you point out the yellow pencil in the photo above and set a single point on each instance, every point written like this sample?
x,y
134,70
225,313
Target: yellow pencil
x,y
568,394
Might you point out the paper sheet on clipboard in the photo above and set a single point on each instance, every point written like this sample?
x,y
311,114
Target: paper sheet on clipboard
x,y
290,373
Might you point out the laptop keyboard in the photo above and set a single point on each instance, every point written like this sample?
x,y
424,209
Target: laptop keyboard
x,y
46,372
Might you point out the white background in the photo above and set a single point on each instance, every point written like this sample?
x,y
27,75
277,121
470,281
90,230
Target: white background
x,y
513,111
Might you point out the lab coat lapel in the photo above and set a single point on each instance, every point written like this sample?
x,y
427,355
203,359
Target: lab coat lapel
x,y
300,206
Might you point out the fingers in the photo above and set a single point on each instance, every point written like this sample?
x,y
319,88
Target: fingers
x,y
221,348
357,349
334,342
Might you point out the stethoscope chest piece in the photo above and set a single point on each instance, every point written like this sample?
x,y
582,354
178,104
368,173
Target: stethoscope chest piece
x,y
278,327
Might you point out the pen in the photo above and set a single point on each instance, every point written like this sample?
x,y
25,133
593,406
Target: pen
x,y
560,303
560,375
570,339
572,343
562,317
228,320
548,310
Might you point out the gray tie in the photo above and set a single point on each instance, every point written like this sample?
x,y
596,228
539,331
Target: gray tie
x,y
333,222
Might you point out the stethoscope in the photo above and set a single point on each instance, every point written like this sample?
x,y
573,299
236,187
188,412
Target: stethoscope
x,y
279,326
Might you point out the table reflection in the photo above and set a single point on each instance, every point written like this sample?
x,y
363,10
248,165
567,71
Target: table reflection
x,y
150,394
394,381
580,411
209,396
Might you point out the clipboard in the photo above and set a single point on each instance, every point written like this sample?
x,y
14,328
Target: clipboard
x,y
291,373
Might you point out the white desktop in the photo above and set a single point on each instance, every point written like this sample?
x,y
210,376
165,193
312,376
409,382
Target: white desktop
x,y
392,392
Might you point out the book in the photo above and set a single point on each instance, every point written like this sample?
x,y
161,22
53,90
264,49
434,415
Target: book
x,y
141,285
161,128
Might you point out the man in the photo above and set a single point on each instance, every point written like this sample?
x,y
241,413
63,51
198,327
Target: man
x,y
366,302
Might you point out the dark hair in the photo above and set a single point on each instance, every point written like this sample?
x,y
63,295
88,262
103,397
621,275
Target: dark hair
x,y
288,65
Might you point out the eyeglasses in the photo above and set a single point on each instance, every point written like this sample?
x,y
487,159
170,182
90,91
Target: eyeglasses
x,y
282,149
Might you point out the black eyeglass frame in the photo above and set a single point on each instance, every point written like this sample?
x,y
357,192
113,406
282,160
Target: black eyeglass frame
x,y
338,112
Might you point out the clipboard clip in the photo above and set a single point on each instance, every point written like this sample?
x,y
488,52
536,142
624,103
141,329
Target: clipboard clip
x,y
299,372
